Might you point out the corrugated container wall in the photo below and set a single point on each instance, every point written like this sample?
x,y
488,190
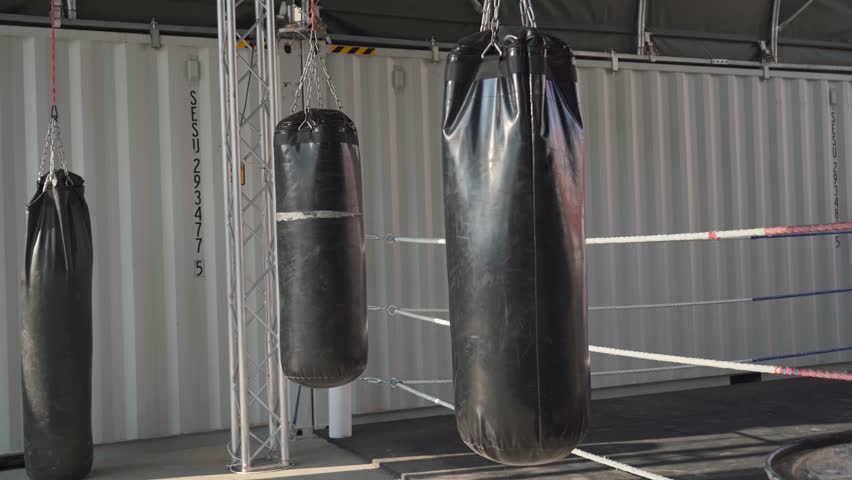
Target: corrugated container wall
x,y
686,149
129,114
669,149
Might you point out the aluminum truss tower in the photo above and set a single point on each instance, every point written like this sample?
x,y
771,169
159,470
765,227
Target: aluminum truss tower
x,y
248,72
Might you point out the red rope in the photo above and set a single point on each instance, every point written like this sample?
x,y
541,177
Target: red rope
x,y
313,15
53,48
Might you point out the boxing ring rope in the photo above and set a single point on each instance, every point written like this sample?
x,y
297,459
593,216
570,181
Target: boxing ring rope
x,y
391,238
679,367
393,310
724,365
741,234
745,360
737,365
697,303
415,312
747,365
394,383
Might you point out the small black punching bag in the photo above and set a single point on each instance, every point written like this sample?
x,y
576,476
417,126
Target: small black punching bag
x,y
322,272
56,333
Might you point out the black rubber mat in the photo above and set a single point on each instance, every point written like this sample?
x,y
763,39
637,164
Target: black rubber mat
x,y
723,433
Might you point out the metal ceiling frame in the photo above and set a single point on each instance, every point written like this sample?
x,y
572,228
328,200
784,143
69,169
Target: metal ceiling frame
x,y
643,36
641,14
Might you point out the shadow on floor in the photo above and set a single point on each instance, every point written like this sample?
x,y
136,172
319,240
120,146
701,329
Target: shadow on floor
x,y
709,434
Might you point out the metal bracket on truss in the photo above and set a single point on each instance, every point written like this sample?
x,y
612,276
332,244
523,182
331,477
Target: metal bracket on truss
x,y
248,72
767,57
436,52
614,58
650,48
154,32
72,9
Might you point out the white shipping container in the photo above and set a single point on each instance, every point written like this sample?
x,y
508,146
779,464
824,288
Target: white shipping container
x,y
670,148
129,114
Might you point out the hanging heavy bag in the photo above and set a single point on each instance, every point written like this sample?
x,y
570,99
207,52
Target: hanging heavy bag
x,y
56,333
513,194
321,255
320,249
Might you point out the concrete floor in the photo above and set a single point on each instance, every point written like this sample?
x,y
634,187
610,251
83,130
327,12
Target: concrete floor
x,y
204,457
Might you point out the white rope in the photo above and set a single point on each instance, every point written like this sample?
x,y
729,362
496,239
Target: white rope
x,y
711,235
439,321
642,370
426,310
618,465
679,237
435,400
725,365
699,362
429,241
428,382
594,374
670,305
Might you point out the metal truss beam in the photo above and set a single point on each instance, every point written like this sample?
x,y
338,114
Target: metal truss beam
x,y
248,72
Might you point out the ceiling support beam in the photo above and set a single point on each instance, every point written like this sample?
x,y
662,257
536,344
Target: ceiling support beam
x,y
640,26
71,10
773,41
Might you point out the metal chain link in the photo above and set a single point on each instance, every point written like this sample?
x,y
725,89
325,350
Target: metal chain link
x,y
53,152
310,82
494,25
487,7
330,83
527,14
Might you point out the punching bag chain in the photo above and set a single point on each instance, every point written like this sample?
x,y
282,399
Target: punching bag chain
x,y
52,152
310,83
527,14
491,21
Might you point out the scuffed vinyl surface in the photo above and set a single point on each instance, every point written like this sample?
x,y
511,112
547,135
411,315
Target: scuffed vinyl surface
x,y
321,256
56,333
513,194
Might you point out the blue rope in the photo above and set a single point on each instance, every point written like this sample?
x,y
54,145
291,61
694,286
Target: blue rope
x,y
809,234
803,354
799,295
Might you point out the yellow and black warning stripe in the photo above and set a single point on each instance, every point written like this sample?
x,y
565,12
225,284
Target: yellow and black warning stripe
x,y
352,50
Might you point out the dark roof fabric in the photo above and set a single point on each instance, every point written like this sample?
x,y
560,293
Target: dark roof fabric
x,y
721,29
718,29
586,24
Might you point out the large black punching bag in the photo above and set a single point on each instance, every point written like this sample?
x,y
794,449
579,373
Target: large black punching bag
x,y
56,333
321,258
513,194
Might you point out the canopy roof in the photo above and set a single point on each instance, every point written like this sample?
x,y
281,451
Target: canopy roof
x,y
819,33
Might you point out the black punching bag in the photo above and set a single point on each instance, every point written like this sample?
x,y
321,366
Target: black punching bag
x,y
513,195
56,333
321,259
